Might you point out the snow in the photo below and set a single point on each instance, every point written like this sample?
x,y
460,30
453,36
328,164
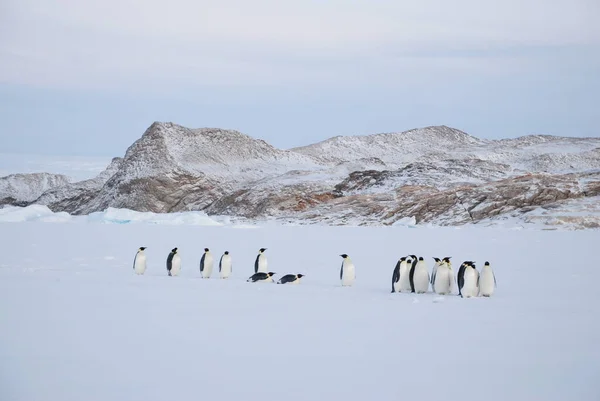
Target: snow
x,y
78,324
111,215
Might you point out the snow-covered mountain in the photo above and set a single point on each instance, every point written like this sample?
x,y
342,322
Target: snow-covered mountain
x,y
23,188
438,175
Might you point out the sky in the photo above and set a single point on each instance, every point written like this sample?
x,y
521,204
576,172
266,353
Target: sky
x,y
85,78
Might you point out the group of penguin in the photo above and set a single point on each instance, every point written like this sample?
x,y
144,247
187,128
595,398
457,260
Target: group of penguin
x,y
410,273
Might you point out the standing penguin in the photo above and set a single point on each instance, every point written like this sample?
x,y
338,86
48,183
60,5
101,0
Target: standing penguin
x,y
206,264
421,277
487,281
468,280
262,276
347,271
260,264
442,282
411,273
404,283
291,279
438,262
139,262
396,275
446,260
225,267
174,263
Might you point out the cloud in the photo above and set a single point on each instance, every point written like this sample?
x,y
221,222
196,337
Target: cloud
x,y
140,44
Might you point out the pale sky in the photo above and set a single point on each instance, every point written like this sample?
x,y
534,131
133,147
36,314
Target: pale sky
x,y
88,77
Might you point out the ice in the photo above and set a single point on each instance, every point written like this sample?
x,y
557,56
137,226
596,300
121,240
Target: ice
x,y
78,324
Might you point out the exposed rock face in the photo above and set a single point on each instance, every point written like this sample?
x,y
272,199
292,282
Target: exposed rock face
x,y
21,189
436,175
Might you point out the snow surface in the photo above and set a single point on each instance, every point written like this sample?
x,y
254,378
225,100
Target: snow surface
x,y
78,324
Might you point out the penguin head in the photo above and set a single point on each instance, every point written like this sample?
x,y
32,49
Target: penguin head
x,y
420,258
414,257
174,250
343,255
486,264
226,252
403,258
299,275
437,259
262,250
447,259
206,249
142,248
271,274
408,261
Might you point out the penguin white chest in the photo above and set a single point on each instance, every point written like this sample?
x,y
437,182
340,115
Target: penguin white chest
x,y
421,278
470,288
442,283
404,282
175,265
348,273
486,282
139,264
262,264
225,266
207,265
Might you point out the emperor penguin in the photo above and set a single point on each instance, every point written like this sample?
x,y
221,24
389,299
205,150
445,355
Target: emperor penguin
x,y
421,277
446,260
139,262
260,264
487,281
225,267
262,276
396,275
404,283
411,272
441,283
438,262
206,264
468,280
347,271
174,263
291,279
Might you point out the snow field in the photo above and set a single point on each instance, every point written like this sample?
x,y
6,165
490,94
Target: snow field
x,y
78,324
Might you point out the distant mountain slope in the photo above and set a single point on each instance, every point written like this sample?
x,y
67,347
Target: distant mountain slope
x,y
23,188
437,175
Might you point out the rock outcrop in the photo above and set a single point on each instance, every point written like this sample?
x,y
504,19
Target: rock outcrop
x,y
436,175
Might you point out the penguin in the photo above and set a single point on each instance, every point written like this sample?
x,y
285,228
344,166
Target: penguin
x,y
468,280
412,272
260,264
421,277
404,283
261,276
174,263
206,264
441,283
438,262
347,271
446,260
225,267
290,278
487,281
396,275
139,262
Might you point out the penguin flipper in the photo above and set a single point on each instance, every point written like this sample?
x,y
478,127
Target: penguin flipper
x,y
202,263
256,264
220,260
495,285
342,270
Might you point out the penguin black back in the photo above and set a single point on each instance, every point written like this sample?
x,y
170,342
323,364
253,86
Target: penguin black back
x,y
461,277
170,259
396,274
412,272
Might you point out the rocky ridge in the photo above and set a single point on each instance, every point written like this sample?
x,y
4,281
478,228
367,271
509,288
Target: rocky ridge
x,y
436,175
